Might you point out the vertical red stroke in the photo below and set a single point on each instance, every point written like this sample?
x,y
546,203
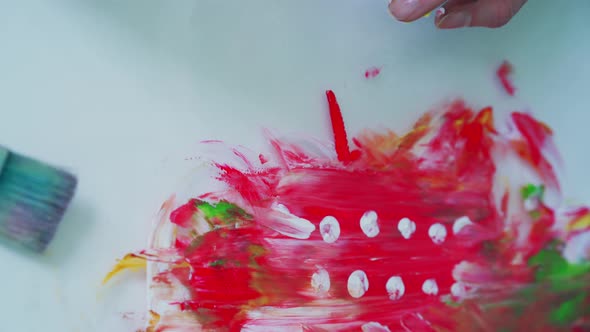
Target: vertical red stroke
x,y
340,139
503,73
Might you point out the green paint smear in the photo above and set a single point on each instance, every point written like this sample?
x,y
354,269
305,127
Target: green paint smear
x,y
219,263
194,245
569,311
551,266
562,277
531,190
223,211
451,303
535,215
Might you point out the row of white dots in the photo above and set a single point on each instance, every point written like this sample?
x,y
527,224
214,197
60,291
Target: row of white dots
x,y
358,284
330,228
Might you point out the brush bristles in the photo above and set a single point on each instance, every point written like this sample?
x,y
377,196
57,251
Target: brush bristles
x,y
33,200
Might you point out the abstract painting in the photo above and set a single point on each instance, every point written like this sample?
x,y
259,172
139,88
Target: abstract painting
x,y
458,224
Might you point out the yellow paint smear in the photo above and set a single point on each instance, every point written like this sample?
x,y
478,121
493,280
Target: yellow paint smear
x,y
129,262
579,224
256,250
154,320
486,117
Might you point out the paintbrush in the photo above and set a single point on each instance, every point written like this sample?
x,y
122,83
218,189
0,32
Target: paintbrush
x,y
33,199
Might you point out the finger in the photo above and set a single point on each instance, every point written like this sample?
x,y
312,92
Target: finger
x,y
411,10
482,13
450,13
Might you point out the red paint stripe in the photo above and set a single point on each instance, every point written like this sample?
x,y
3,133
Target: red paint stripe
x,y
340,139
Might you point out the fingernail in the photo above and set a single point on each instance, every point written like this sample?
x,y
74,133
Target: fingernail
x,y
453,20
404,9
439,13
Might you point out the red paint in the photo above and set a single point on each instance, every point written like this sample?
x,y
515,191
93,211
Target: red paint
x,y
340,138
443,169
372,72
503,73
184,214
536,135
213,285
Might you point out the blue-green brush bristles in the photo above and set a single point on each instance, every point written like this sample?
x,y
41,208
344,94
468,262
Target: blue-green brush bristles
x,y
33,199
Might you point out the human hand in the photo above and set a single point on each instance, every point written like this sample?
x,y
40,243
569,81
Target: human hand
x,y
458,13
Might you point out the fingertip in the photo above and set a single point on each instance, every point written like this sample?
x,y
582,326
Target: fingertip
x,y
411,10
438,15
400,9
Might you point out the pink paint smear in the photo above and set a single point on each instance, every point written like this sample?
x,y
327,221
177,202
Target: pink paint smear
x,y
372,72
455,225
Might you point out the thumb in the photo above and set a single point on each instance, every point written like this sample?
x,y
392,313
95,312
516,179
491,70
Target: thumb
x,y
481,13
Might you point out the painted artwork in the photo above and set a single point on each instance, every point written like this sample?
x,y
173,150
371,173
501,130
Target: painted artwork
x,y
458,224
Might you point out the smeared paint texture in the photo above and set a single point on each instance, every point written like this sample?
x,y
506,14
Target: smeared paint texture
x,y
372,72
504,72
425,231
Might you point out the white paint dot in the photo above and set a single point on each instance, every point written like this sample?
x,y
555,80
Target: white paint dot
x,y
374,327
406,227
320,281
358,284
458,289
330,229
460,223
395,288
438,233
369,224
429,287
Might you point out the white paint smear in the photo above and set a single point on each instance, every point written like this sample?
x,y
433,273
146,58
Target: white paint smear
x,y
358,284
531,204
369,224
429,287
395,288
458,289
320,281
281,208
374,327
577,249
460,223
406,227
438,233
288,224
330,229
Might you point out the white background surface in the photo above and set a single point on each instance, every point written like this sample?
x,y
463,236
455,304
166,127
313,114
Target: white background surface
x,y
120,92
